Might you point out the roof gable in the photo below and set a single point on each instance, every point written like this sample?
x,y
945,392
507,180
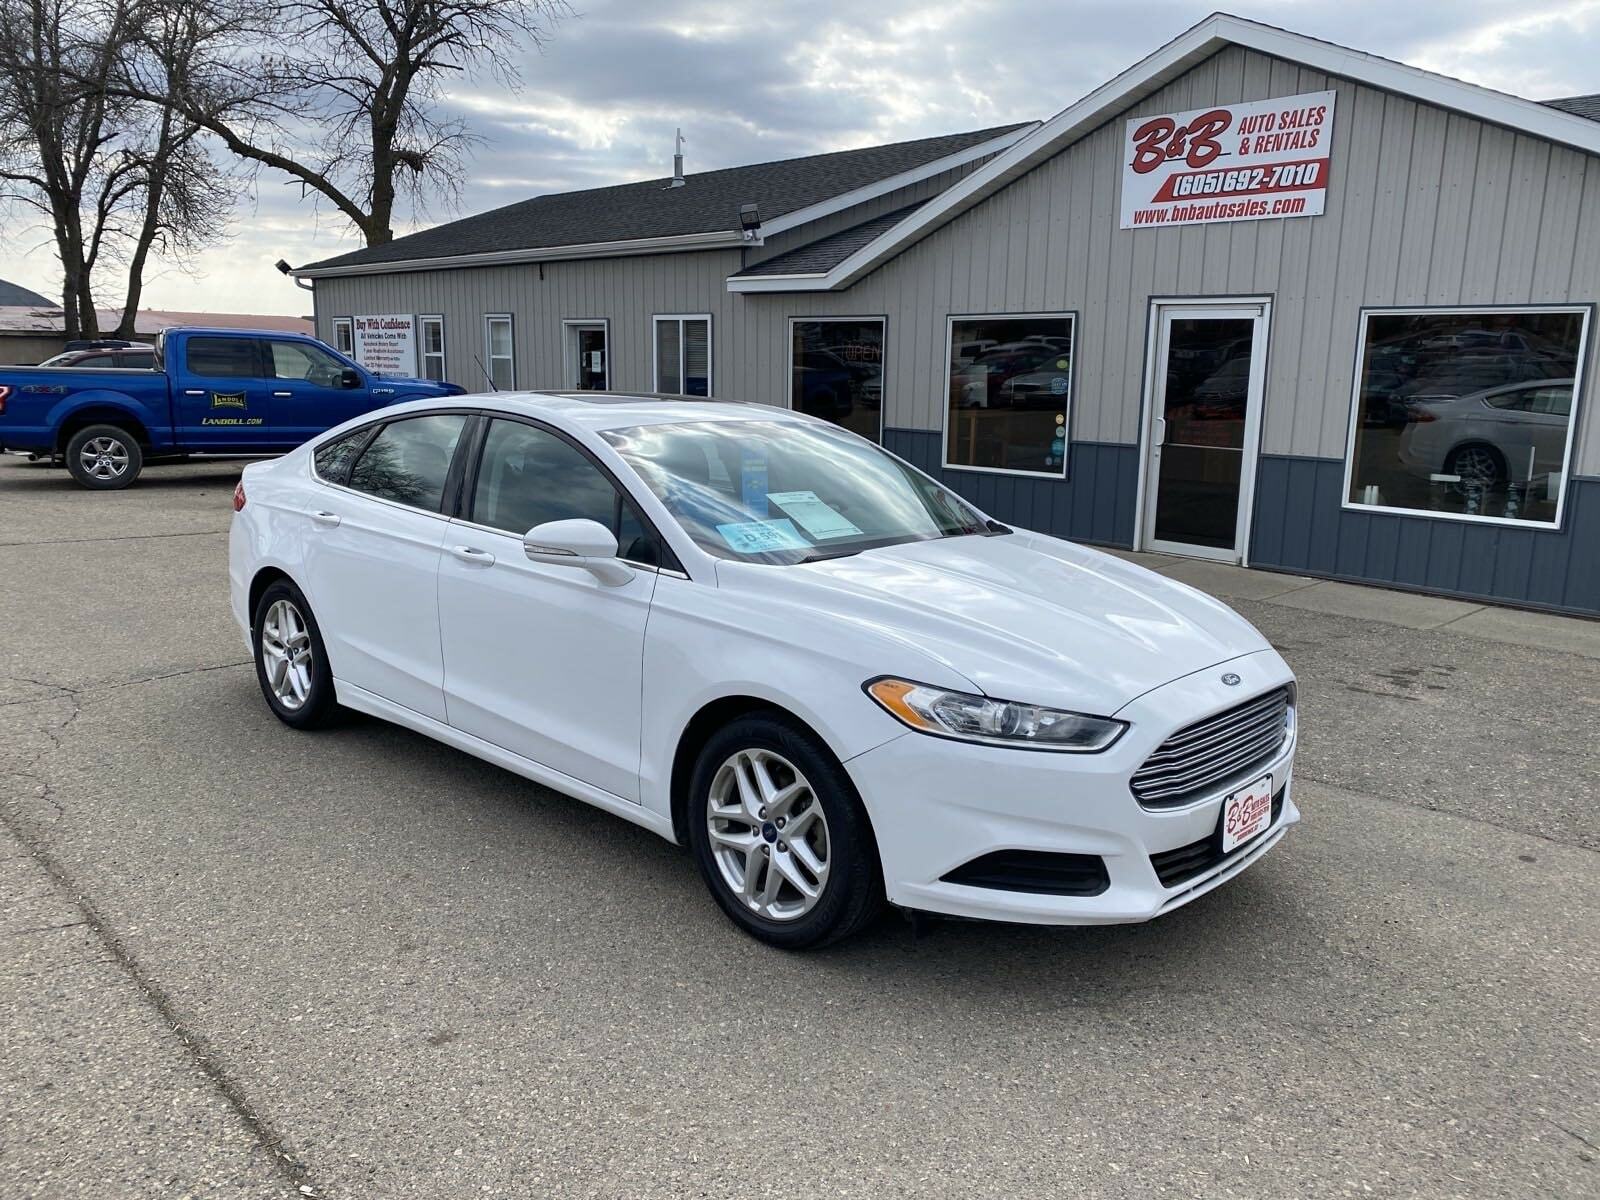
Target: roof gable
x,y
1558,123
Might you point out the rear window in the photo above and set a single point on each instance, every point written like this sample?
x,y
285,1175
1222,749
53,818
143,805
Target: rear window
x,y
222,357
333,458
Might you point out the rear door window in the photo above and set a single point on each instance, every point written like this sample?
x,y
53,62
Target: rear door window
x,y
409,460
222,358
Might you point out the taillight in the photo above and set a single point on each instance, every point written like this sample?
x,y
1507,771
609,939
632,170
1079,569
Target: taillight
x,y
238,495
4,392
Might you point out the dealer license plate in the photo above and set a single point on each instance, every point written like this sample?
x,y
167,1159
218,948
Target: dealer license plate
x,y
1246,813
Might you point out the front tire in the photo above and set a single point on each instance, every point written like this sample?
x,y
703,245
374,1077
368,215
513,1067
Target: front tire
x,y
781,837
104,458
291,663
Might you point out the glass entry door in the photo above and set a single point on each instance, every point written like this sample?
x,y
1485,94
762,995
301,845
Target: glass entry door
x,y
590,365
1203,429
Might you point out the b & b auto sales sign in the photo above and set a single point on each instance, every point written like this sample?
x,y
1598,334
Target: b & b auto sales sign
x,y
1233,162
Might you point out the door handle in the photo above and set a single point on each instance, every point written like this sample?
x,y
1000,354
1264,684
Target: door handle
x,y
328,519
283,393
194,391
473,555
1160,432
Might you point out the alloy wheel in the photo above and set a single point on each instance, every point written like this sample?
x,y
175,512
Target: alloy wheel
x,y
104,458
286,653
769,835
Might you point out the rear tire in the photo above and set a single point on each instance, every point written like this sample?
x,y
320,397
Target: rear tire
x,y
814,879
291,663
104,458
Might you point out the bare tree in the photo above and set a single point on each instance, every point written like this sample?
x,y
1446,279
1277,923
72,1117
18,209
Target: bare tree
x,y
343,96
113,176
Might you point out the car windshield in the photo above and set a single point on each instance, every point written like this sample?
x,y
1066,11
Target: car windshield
x,y
783,492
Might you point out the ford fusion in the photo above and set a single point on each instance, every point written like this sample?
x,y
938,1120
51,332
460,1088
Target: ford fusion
x,y
761,636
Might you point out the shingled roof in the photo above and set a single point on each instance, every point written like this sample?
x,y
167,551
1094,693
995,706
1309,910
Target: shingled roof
x,y
816,258
1580,106
708,202
14,296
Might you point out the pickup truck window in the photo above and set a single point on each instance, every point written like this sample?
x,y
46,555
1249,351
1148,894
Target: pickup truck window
x,y
301,360
222,357
408,461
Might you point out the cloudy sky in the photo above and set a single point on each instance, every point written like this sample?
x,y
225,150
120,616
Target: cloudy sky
x,y
750,82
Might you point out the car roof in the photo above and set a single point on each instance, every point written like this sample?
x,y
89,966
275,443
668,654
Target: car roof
x,y
599,411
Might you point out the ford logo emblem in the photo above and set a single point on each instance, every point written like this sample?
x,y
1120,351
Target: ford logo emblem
x,y
1231,679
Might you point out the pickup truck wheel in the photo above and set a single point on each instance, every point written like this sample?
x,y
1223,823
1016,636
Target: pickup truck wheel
x,y
104,457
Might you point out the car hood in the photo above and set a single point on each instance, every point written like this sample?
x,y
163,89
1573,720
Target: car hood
x,y
1026,617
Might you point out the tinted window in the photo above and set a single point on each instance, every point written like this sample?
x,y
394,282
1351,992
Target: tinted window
x,y
302,360
529,476
139,362
838,373
334,457
222,357
408,461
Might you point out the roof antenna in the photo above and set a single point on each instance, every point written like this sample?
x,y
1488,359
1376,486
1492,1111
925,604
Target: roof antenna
x,y
677,162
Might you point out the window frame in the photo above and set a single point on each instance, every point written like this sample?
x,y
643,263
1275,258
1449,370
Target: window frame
x,y
1070,396
467,488
656,320
1364,315
883,323
423,354
570,327
348,325
488,344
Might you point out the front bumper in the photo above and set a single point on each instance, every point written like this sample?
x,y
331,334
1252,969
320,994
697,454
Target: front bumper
x,y
937,804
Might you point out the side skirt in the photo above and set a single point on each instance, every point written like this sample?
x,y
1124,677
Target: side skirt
x,y
374,705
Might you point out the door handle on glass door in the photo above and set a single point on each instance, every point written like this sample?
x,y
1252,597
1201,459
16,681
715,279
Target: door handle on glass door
x,y
1160,438
325,518
473,555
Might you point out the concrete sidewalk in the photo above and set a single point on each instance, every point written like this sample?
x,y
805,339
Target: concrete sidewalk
x,y
1412,610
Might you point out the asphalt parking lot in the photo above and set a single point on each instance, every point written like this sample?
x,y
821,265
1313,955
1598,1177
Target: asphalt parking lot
x,y
241,961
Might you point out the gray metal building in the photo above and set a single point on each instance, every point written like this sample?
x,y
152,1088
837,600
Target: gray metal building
x,y
1260,298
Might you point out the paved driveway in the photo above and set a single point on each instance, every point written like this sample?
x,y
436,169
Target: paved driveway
x,y
240,961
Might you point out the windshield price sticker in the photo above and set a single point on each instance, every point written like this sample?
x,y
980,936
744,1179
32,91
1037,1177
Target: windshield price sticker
x,y
817,518
758,537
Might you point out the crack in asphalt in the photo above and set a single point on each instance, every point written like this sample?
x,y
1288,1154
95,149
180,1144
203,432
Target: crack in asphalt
x,y
195,1045
128,537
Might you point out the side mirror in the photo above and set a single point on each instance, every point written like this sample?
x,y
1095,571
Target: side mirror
x,y
349,378
581,543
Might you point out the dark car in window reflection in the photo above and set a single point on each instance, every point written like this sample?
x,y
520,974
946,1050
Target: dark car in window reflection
x,y
1510,434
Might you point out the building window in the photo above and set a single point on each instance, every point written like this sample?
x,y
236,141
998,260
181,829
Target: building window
x,y
433,348
1466,414
683,355
836,372
344,340
499,352
1008,406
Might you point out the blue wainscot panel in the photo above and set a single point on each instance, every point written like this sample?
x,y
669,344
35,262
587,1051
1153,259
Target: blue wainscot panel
x,y
1299,526
1093,504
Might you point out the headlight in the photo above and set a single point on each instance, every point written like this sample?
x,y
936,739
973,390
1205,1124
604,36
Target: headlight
x,y
971,718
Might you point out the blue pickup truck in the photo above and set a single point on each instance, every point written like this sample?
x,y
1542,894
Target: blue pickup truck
x,y
213,391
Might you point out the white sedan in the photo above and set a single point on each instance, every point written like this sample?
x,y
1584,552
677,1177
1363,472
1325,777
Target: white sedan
x,y
760,635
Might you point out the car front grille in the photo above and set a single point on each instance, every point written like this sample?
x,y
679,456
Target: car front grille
x,y
1207,755
1175,867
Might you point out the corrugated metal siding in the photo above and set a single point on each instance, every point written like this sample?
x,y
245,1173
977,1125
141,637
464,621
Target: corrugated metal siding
x,y
1299,526
1095,504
